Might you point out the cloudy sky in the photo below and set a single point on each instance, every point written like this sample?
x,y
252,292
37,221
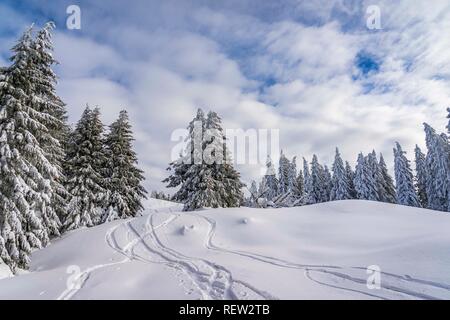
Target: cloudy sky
x,y
312,69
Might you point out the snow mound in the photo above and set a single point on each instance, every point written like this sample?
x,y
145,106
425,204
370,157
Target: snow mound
x,y
324,251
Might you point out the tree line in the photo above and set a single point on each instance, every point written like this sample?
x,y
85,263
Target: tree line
x,y
54,178
428,186
217,184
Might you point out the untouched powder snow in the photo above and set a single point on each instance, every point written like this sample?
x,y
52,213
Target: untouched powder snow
x,y
312,252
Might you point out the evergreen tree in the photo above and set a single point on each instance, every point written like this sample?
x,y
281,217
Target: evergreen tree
x,y
253,193
340,183
210,179
28,171
375,172
387,193
309,199
86,163
124,178
327,184
365,185
228,179
350,177
421,176
317,190
50,103
270,181
437,167
292,176
299,186
406,194
283,174
191,161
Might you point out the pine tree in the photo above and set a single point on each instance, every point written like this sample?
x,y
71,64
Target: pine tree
x,y
86,163
270,181
309,199
375,172
191,160
421,176
327,183
253,194
406,194
50,103
299,186
283,174
437,167
365,185
387,193
124,178
227,178
340,183
350,177
317,191
292,174
28,171
210,179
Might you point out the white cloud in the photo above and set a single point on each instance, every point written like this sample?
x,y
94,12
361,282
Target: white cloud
x,y
262,68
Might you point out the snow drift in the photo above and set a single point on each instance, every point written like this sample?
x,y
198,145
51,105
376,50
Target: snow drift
x,y
312,252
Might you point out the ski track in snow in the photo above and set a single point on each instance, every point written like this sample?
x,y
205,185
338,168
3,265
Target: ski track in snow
x,y
215,282
210,280
390,282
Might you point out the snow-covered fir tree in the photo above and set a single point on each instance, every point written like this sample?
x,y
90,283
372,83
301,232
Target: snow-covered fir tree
x,y
253,190
292,176
124,178
438,170
205,173
308,183
327,184
28,170
366,186
51,103
387,189
404,181
228,179
374,170
350,177
317,188
270,181
421,176
283,174
298,191
86,176
191,160
340,184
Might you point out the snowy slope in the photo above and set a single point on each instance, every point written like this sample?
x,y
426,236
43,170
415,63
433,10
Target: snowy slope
x,y
312,252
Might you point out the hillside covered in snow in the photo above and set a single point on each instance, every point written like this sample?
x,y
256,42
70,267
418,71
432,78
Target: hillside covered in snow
x,y
311,252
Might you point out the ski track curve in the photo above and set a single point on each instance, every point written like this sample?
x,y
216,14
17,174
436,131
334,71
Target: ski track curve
x,y
210,280
335,271
215,282
79,280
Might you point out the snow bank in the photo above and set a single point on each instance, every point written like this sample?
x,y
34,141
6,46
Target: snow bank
x,y
313,252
